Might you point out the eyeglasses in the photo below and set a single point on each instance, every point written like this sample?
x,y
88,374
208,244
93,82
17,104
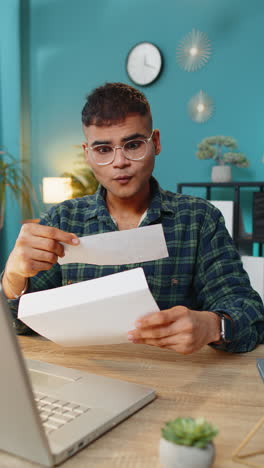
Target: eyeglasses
x,y
132,149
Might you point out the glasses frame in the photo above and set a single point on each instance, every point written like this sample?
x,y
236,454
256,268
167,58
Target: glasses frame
x,y
114,148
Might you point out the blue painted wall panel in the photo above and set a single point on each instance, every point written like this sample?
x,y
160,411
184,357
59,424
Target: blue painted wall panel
x,y
10,110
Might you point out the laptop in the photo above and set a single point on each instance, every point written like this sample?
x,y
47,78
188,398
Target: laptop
x,y
49,412
260,367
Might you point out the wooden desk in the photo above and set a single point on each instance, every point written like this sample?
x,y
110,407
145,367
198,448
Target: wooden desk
x,y
224,388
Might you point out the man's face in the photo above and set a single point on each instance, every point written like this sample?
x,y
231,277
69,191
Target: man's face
x,y
124,178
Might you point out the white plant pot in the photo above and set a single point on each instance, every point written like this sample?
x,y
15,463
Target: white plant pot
x,y
181,456
221,174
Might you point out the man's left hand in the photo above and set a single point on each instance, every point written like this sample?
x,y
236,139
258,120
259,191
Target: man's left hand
x,y
179,328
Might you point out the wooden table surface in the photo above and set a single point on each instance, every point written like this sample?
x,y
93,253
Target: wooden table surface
x,y
224,388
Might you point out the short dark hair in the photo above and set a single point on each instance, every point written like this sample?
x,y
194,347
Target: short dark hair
x,y
112,102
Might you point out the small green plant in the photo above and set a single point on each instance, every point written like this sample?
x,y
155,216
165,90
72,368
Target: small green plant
x,y
13,177
83,181
218,148
188,431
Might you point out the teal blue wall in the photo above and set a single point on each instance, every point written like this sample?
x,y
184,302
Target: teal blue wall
x,y
10,109
77,45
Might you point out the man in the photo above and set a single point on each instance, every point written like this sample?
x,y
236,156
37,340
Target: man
x,y
202,290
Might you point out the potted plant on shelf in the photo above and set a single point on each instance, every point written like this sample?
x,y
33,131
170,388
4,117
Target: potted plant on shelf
x,y
221,150
83,181
13,177
187,443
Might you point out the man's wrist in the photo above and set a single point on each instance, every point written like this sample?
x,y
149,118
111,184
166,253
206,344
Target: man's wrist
x,y
16,290
215,328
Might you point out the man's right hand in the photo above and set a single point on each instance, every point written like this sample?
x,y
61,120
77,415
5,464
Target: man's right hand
x,y
37,249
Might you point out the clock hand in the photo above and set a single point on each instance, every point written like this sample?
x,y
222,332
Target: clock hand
x,y
149,66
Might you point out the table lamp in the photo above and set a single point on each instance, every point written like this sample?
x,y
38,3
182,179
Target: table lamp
x,y
56,189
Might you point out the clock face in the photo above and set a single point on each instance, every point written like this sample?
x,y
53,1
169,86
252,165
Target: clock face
x,y
144,63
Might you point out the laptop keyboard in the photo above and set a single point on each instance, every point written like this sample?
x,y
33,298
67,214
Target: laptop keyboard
x,y
55,413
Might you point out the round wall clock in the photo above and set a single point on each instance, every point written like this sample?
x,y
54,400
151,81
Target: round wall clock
x,y
144,63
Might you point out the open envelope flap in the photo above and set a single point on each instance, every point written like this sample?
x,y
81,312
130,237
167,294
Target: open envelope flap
x,y
87,291
98,311
98,322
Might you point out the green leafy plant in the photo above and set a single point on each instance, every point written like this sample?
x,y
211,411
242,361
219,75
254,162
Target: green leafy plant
x,y
218,148
12,176
188,431
83,181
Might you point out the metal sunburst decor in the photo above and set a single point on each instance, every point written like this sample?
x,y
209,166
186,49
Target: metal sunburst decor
x,y
200,107
193,51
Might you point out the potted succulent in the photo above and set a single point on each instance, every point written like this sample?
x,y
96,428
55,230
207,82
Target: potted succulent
x,y
187,443
222,150
13,177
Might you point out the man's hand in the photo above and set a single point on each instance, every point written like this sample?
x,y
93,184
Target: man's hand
x,y
178,328
37,248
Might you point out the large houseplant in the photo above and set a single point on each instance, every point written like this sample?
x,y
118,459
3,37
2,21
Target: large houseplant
x,y
222,150
13,177
187,443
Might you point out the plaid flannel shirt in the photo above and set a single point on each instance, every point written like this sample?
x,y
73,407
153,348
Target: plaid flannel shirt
x,y
203,270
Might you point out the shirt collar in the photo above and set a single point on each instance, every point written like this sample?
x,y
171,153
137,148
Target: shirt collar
x,y
158,204
96,205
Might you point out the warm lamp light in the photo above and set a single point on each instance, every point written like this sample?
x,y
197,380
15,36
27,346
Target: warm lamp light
x,y
56,189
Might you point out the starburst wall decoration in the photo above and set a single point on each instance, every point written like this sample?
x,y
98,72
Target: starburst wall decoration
x,y
193,51
200,107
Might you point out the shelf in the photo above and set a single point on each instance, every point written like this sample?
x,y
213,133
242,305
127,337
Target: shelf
x,y
221,184
236,186
250,238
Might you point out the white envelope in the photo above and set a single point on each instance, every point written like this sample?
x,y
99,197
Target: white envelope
x,y
118,247
98,311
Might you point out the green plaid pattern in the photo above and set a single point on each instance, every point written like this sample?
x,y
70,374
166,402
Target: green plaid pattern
x,y
203,270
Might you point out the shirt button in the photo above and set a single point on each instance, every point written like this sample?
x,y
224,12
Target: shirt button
x,y
174,281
